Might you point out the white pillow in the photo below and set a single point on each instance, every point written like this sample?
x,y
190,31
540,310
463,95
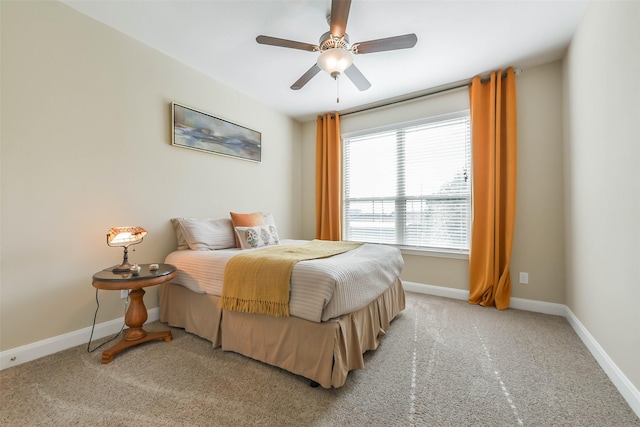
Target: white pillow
x,y
182,242
257,236
204,234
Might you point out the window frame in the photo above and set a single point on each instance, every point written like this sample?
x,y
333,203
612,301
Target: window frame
x,y
445,252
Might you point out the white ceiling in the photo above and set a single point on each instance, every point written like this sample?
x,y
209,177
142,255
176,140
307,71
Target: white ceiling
x,y
456,40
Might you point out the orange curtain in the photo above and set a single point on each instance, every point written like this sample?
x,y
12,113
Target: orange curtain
x,y
494,145
328,178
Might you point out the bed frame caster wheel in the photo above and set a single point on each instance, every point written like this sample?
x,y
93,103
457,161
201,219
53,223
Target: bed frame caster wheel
x,y
314,384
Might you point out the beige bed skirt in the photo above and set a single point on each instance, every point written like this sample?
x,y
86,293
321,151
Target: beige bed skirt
x,y
200,314
322,352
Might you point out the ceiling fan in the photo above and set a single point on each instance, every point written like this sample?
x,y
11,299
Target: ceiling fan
x,y
336,54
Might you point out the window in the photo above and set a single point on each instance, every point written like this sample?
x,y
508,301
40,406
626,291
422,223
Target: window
x,y
409,184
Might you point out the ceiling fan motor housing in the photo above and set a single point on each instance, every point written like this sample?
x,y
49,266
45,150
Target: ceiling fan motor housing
x,y
327,41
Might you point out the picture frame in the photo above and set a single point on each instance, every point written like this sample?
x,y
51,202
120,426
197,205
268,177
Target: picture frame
x,y
197,130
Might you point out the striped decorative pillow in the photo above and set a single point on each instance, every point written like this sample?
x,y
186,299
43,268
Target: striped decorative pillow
x,y
204,234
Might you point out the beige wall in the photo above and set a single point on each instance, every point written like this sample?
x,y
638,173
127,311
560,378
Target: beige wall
x,y
538,242
603,180
86,146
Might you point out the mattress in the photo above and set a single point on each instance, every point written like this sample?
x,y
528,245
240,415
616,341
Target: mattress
x,y
321,289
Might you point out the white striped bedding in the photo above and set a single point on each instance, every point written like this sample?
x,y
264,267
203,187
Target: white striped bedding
x,y
321,289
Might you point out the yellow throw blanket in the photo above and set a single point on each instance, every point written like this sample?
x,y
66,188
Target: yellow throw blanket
x,y
258,281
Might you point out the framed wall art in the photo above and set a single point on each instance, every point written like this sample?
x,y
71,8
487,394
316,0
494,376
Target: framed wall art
x,y
201,131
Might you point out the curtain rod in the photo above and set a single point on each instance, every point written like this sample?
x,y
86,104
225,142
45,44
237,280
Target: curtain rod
x,y
434,91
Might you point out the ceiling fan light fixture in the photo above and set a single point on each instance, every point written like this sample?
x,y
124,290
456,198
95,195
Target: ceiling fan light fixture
x,y
334,61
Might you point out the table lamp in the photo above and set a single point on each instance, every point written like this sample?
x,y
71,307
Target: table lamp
x,y
125,237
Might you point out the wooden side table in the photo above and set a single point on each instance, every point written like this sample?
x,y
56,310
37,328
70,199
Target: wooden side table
x,y
136,313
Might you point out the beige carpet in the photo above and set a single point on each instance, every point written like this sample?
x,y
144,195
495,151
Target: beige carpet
x,y
442,363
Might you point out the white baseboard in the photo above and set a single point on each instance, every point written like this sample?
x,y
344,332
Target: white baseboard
x,y
517,303
538,306
439,291
26,353
628,391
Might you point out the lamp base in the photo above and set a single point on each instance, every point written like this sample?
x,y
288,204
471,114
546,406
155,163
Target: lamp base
x,y
125,266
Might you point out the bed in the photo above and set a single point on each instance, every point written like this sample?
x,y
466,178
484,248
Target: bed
x,y
340,307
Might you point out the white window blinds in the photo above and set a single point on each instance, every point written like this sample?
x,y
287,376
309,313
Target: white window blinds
x,y
409,185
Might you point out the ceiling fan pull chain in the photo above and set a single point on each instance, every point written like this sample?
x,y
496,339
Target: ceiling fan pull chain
x,y
338,89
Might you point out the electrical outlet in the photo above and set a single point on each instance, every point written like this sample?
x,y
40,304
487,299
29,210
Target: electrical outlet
x,y
124,293
524,278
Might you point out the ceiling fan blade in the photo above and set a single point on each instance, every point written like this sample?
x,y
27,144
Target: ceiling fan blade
x,y
306,77
274,41
357,77
390,43
339,16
